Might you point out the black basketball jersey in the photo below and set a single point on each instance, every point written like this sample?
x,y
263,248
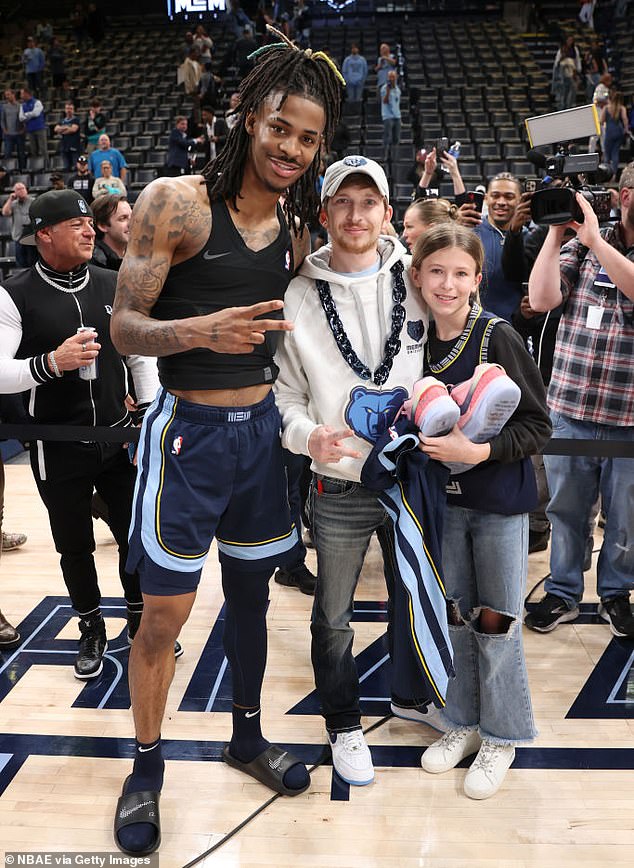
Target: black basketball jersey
x,y
225,273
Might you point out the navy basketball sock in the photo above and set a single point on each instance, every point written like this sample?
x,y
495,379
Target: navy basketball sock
x,y
147,774
247,743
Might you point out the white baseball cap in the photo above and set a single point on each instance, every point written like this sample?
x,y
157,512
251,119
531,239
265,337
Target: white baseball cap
x,y
353,165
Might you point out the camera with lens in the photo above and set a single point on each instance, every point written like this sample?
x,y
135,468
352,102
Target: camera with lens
x,y
555,203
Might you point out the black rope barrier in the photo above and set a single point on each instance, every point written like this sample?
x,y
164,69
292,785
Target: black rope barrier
x,y
102,434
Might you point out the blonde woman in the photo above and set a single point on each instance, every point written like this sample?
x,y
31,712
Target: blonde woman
x,y
614,126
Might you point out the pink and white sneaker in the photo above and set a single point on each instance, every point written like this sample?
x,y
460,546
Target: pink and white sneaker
x,y
431,409
487,401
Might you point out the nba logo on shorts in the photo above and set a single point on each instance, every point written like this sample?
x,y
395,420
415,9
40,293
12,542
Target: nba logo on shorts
x,y
287,264
176,445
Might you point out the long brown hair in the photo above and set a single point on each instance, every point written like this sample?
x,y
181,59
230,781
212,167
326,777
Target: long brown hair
x,y
445,235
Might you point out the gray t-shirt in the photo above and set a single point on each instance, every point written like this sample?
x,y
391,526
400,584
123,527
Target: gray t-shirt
x,y
10,120
20,216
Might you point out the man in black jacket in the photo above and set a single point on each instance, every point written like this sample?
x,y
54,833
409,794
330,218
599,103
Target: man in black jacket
x,y
42,352
112,214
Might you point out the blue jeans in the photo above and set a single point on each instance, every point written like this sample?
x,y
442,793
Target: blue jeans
x,y
391,135
575,483
344,517
354,92
18,142
485,562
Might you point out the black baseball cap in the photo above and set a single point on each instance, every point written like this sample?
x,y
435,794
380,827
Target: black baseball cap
x,y
51,208
82,159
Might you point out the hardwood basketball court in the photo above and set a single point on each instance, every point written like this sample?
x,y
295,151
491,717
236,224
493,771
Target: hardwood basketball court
x,y
65,746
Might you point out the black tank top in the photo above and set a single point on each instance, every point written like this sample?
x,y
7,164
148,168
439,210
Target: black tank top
x,y
226,273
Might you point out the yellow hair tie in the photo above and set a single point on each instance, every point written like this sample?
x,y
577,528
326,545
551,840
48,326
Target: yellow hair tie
x,y
321,55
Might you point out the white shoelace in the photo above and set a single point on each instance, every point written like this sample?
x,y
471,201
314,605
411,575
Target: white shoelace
x,y
487,756
352,741
454,737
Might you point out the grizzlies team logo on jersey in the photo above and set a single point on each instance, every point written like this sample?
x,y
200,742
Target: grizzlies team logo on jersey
x,y
369,413
416,329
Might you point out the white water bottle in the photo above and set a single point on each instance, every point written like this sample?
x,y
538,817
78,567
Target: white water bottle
x,y
454,150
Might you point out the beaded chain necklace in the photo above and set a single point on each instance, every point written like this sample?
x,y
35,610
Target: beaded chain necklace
x,y
393,342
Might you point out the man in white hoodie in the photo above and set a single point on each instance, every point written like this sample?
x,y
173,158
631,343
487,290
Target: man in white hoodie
x,y
345,370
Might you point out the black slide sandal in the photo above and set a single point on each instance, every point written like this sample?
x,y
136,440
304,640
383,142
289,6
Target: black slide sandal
x,y
141,807
268,768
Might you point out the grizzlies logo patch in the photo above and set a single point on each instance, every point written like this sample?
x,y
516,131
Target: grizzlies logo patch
x,y
416,330
370,413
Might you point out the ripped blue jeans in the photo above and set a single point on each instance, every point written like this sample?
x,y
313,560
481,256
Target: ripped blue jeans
x,y
485,562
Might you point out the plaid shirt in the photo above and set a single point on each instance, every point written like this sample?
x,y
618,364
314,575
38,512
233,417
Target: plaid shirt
x,y
593,369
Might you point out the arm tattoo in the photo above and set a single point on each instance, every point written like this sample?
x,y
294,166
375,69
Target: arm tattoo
x,y
160,223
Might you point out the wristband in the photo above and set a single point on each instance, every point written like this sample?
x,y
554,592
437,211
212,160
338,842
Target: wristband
x,y
53,363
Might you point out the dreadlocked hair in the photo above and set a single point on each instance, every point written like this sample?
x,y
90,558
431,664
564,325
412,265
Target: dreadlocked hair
x,y
285,68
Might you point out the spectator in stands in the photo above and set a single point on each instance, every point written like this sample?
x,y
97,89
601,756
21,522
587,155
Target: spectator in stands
x,y
594,65
500,294
82,181
391,115
68,130
112,214
5,179
615,126
13,129
78,22
302,23
236,19
425,213
95,23
263,16
242,49
186,45
44,32
428,176
385,62
231,115
107,183
57,181
106,152
586,13
177,161
34,62
94,125
57,63
566,73
41,351
190,72
205,44
355,71
590,398
17,207
33,117
214,132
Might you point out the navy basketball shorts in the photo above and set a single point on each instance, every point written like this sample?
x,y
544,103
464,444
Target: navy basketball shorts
x,y
206,472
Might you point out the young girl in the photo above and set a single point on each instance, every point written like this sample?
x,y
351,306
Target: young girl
x,y
485,538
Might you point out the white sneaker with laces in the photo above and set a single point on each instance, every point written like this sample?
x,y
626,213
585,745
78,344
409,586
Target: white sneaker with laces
x,y
488,769
450,749
351,757
429,715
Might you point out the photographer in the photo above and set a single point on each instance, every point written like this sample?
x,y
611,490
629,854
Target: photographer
x,y
590,398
